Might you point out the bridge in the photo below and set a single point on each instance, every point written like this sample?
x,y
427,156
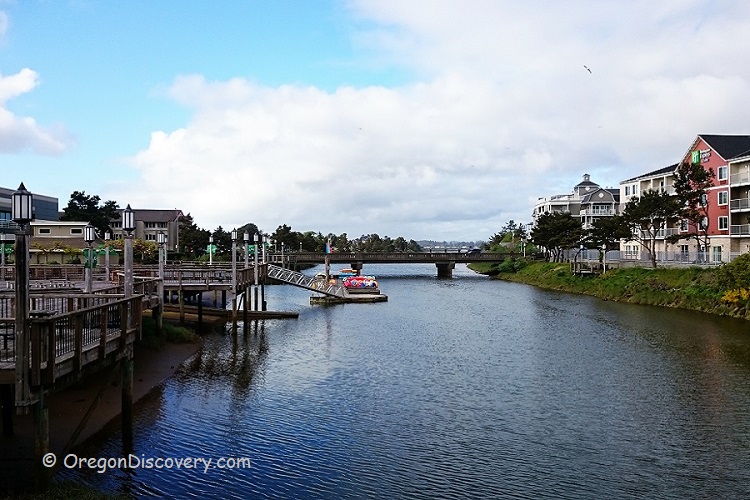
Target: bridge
x,y
444,261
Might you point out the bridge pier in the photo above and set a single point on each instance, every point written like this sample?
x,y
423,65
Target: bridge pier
x,y
445,269
357,266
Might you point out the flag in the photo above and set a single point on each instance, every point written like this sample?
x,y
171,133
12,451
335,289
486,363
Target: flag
x,y
328,246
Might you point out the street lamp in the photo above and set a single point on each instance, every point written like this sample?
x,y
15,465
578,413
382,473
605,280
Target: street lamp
x,y
22,213
89,235
107,238
234,260
210,250
246,239
255,270
128,225
161,240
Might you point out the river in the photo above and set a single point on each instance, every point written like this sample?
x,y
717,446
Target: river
x,y
454,388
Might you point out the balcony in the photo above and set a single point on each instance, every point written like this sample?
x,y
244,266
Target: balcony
x,y
661,234
740,178
598,211
739,204
741,230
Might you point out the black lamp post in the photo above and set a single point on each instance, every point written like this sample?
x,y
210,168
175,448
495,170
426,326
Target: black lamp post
x,y
89,236
234,260
161,239
107,237
246,239
22,202
128,225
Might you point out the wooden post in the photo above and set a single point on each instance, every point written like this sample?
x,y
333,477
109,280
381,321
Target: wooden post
x,y
200,308
181,300
245,306
41,440
127,402
8,404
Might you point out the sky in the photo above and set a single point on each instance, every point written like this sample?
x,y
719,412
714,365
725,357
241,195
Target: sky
x,y
427,119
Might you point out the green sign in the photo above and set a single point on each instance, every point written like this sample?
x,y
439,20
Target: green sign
x,y
211,249
695,157
94,259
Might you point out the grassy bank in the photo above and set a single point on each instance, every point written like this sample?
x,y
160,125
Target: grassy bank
x,y
716,291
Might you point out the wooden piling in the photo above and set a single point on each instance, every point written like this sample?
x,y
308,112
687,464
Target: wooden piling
x,y
127,403
41,440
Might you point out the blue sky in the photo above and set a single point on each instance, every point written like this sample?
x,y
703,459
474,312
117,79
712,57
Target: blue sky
x,y
426,119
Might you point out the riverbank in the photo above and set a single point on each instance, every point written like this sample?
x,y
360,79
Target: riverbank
x,y
98,395
693,288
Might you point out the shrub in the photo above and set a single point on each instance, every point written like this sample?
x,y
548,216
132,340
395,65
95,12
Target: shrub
x,y
735,274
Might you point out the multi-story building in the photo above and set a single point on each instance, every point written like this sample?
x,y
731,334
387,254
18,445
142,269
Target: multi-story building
x,y
715,153
588,202
44,207
149,223
739,204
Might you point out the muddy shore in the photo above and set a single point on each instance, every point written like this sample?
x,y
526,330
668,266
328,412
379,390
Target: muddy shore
x,y
68,408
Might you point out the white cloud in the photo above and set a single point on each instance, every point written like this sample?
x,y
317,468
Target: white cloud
x,y
18,133
501,111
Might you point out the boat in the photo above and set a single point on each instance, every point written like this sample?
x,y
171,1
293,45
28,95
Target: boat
x,y
361,284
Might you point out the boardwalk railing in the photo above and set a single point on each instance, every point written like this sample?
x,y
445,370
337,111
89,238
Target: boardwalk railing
x,y
65,343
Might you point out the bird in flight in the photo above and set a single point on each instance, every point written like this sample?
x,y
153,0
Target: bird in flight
x,y
587,68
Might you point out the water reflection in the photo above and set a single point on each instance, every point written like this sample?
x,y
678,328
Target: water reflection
x,y
469,388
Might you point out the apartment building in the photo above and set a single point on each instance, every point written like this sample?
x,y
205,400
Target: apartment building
x,y
728,214
588,202
150,222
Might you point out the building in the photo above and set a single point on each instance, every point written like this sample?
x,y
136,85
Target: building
x,y
588,202
739,204
56,242
45,207
149,223
728,207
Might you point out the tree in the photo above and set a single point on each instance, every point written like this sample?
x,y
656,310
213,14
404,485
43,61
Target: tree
x,y
648,215
557,232
82,207
606,233
691,185
193,240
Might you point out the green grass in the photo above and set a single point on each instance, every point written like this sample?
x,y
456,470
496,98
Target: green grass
x,y
170,333
687,288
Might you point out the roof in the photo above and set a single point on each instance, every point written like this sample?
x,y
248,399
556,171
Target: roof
x,y
661,171
727,146
608,196
156,215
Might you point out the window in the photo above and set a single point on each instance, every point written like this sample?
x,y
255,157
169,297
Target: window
x,y
717,254
704,223
683,225
723,197
723,223
627,190
150,237
76,230
43,230
635,189
723,173
684,253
